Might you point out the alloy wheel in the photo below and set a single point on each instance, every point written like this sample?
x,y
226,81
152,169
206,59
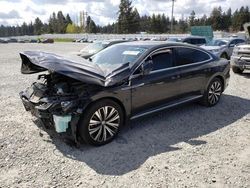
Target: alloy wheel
x,y
214,92
104,124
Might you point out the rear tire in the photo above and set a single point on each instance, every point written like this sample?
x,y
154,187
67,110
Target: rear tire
x,y
101,122
213,93
237,70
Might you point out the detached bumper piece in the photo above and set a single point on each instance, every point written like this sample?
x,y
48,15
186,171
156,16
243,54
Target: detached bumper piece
x,y
39,111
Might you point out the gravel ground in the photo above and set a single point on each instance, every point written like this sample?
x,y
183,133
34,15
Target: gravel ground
x,y
190,146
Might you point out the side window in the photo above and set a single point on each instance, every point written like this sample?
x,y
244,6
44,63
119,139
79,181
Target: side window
x,y
162,60
185,56
187,41
193,41
238,41
232,43
202,41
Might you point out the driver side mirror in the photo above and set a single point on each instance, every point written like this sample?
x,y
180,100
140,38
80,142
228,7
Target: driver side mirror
x,y
147,67
231,45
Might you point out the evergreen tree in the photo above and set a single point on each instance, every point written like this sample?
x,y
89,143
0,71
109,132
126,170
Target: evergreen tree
x,y
52,23
192,19
125,16
38,26
145,23
61,23
92,27
68,19
216,18
135,23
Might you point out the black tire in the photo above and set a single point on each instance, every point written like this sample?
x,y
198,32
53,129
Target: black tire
x,y
213,93
237,70
105,128
225,56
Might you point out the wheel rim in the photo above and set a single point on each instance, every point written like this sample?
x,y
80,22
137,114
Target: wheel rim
x,y
104,124
214,92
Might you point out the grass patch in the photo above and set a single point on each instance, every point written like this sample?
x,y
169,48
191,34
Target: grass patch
x,y
63,40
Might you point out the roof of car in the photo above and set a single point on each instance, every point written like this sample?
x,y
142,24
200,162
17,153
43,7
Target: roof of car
x,y
228,39
188,37
153,44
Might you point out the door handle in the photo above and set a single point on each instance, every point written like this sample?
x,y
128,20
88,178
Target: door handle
x,y
175,77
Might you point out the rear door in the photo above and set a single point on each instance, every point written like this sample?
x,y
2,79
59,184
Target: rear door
x,y
193,69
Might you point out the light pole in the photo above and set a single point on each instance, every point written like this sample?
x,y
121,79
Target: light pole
x,y
172,17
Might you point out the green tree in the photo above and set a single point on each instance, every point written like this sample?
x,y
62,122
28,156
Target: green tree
x,y
216,18
68,19
125,17
165,23
135,22
92,27
52,23
71,28
61,23
192,19
38,26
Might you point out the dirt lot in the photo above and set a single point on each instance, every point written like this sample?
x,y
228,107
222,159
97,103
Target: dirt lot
x,y
190,146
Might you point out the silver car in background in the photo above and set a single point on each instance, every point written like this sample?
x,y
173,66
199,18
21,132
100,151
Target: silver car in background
x,y
223,48
240,59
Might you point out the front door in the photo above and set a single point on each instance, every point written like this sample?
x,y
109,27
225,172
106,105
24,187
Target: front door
x,y
157,87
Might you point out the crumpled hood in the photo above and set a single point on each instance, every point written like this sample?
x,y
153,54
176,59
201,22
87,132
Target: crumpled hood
x,y
74,67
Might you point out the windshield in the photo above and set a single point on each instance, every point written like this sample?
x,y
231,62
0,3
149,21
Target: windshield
x,y
217,42
94,47
116,55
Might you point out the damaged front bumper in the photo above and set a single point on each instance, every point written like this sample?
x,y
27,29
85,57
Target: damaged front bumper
x,y
59,114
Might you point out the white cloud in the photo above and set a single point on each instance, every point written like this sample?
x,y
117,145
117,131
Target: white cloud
x,y
104,11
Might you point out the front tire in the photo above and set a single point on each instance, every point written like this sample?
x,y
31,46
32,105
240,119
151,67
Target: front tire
x,y
101,122
213,93
237,70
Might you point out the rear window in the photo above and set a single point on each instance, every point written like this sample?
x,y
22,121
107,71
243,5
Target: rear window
x,y
195,41
185,56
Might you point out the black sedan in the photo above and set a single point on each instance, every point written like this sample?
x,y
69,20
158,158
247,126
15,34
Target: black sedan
x,y
92,100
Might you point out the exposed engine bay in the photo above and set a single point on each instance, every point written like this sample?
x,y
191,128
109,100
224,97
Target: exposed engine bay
x,y
56,93
57,100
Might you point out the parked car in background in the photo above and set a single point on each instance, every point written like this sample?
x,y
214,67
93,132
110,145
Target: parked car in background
x,y
240,59
3,41
23,41
12,40
82,40
195,40
223,47
97,46
33,41
45,41
92,100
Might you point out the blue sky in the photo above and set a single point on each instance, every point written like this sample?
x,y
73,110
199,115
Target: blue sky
x,y
13,12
